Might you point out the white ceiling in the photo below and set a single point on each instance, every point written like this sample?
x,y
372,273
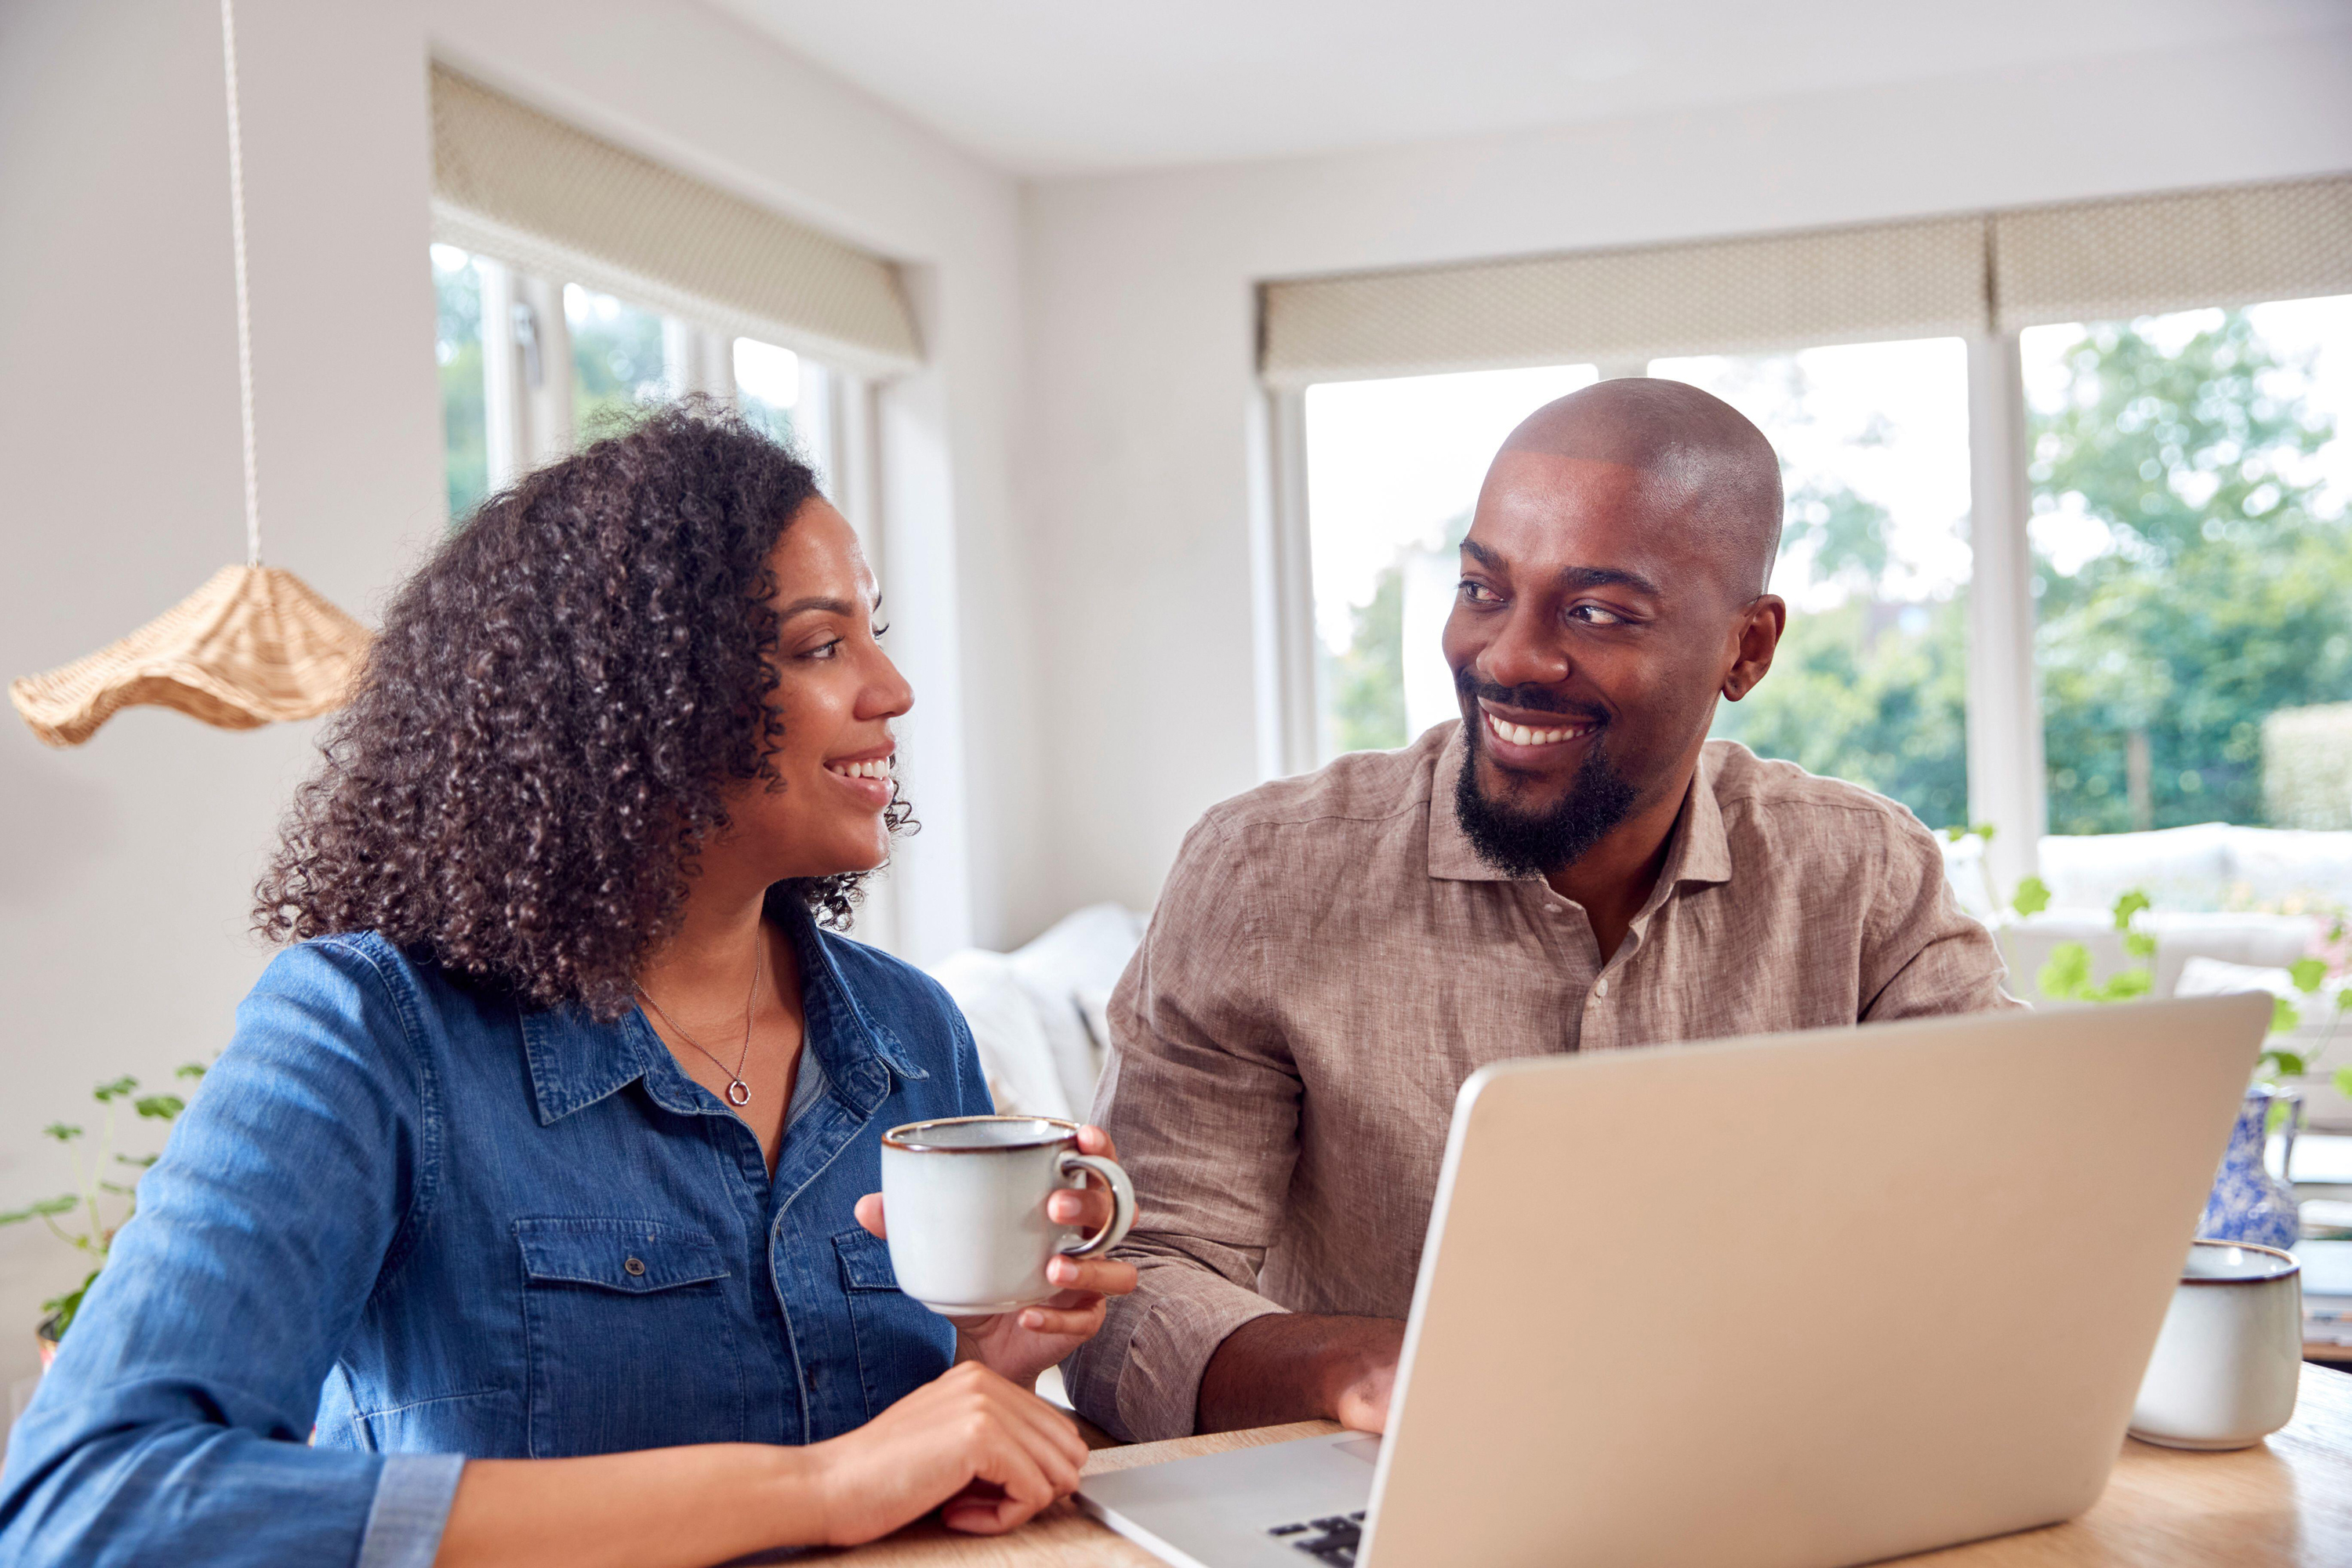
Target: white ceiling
x,y
1047,87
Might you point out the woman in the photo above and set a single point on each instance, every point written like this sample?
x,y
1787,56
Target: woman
x,y
557,1277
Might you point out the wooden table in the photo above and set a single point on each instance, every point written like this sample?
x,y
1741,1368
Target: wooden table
x,y
2287,1500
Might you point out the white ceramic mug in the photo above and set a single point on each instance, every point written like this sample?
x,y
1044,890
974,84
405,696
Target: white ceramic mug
x,y
2231,1356
964,1201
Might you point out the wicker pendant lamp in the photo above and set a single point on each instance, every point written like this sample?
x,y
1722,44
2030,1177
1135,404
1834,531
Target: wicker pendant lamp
x,y
254,644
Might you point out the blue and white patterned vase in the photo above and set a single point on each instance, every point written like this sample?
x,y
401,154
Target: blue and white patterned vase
x,y
2249,1204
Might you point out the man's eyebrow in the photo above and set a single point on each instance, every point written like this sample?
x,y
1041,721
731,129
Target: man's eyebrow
x,y
1607,577
1573,576
830,606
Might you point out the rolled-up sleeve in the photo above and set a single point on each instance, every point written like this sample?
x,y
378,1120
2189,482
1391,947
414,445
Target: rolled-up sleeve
x,y
175,1425
1203,1098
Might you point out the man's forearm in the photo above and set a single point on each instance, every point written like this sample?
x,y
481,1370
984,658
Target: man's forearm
x,y
1291,1366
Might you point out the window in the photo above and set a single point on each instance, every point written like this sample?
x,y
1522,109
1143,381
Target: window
x,y
458,349
768,387
1393,470
618,361
1869,683
530,366
2192,566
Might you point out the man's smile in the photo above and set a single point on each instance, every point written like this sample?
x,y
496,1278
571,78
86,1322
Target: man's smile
x,y
1525,741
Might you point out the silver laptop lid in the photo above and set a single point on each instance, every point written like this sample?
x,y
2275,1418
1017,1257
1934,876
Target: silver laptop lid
x,y
1807,1299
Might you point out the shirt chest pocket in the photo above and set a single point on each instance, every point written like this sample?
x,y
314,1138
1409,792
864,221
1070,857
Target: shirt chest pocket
x,y
631,1337
902,1344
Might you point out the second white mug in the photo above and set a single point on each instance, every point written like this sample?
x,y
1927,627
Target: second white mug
x,y
963,1199
2230,1359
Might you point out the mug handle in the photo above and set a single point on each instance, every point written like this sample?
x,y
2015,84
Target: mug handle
x,y
1122,1203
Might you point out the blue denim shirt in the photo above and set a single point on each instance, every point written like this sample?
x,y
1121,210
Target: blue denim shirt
x,y
439,1226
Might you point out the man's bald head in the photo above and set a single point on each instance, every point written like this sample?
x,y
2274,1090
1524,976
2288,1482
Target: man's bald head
x,y
1703,463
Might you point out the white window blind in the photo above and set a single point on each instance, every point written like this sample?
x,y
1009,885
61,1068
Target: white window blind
x,y
1852,285
512,182
1934,277
2090,261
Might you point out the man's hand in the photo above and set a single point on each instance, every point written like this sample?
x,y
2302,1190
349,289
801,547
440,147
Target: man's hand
x,y
1018,1346
1292,1367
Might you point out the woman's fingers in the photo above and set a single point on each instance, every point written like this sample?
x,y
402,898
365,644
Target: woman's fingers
x,y
1092,1140
869,1214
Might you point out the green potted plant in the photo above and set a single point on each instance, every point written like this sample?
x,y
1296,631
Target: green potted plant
x,y
97,1192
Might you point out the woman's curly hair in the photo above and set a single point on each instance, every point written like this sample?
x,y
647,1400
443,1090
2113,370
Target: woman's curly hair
x,y
540,740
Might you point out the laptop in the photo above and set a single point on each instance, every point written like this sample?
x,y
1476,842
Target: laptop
x,y
1793,1301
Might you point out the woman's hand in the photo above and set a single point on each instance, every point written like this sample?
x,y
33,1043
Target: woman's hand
x,y
988,1455
1020,1345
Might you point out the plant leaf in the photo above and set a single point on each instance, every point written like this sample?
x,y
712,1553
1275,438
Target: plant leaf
x,y
161,1107
2122,985
2286,1064
2344,1082
62,1132
2032,897
118,1089
2067,975
2285,1017
2128,905
189,1070
2307,973
2139,944
117,1188
46,1206
60,1310
142,1160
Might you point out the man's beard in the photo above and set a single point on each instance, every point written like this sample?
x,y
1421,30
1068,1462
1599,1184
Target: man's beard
x,y
1532,843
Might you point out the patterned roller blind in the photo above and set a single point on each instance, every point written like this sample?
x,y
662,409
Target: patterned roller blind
x,y
514,183
2101,260
1885,281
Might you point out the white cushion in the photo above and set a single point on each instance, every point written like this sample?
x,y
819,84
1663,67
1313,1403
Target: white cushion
x,y
2177,867
1015,1054
1085,952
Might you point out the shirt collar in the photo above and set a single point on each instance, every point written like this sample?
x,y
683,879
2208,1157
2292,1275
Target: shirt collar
x,y
576,1062
1696,852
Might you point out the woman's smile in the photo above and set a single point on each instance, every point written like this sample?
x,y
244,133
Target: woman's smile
x,y
869,774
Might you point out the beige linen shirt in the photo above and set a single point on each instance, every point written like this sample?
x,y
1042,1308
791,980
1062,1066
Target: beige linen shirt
x,y
1330,959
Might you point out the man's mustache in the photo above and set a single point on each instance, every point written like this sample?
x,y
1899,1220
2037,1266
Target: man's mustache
x,y
1535,699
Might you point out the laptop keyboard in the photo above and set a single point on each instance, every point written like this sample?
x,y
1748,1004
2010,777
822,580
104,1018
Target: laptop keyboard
x,y
1331,1540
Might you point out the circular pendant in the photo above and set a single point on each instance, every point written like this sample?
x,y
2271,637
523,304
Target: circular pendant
x,y
740,1092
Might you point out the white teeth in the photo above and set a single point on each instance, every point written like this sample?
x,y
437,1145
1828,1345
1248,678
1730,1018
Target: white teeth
x,y
875,770
1520,735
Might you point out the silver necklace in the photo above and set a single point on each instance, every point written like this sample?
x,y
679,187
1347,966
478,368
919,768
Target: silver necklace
x,y
739,1093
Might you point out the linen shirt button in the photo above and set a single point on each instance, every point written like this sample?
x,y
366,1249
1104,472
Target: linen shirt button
x,y
1600,987
634,1267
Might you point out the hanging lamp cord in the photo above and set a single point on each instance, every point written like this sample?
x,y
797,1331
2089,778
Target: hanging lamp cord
x,y
244,309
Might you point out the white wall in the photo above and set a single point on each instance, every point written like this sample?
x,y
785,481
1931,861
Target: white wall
x,y
1143,313
130,862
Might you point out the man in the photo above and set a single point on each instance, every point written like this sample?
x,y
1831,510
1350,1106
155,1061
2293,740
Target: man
x,y
1573,867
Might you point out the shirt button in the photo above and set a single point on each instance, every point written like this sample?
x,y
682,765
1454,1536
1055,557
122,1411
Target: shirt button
x,y
1600,988
634,1267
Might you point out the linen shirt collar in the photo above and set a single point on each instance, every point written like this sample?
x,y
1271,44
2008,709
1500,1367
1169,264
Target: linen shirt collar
x,y
1698,850
576,1062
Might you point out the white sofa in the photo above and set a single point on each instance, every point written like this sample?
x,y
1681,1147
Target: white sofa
x,y
1037,1012
2232,908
